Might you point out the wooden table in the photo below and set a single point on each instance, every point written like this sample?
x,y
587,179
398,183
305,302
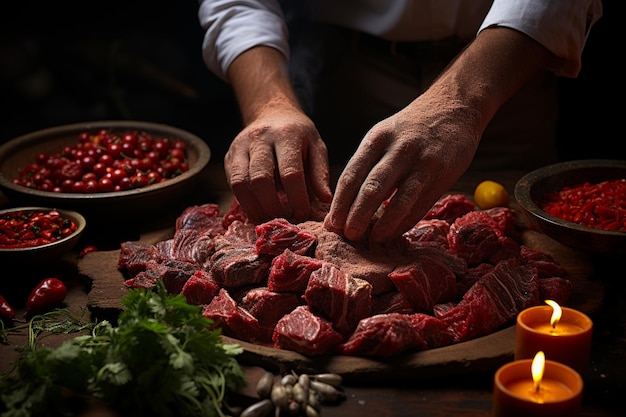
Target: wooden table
x,y
468,394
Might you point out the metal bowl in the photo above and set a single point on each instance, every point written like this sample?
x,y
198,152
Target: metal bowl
x,y
532,188
17,153
45,252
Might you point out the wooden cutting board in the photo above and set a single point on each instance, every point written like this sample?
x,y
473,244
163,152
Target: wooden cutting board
x,y
479,355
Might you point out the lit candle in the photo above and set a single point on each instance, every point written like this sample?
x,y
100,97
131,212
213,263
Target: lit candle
x,y
537,388
562,333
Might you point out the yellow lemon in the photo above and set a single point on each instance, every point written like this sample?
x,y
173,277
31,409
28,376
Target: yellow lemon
x,y
489,194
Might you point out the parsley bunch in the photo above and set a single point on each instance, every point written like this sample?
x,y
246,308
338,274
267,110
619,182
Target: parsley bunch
x,y
161,359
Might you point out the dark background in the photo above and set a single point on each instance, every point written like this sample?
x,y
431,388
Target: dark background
x,y
73,61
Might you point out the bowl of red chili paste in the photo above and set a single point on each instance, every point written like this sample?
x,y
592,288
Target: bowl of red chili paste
x,y
580,203
103,169
35,234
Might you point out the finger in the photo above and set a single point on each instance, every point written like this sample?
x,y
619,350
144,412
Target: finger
x,y
236,167
262,170
404,210
318,173
350,180
346,191
415,196
292,178
377,187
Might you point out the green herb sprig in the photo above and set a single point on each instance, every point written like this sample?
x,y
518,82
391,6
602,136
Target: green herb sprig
x,y
162,359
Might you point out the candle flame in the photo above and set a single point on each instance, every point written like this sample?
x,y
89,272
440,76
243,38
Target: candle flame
x,y
556,312
537,367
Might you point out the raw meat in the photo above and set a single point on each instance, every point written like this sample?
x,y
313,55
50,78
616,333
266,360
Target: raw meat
x,y
431,232
450,207
340,298
274,236
268,307
475,237
383,335
301,287
232,319
290,272
425,284
135,257
200,288
391,302
372,265
305,332
493,301
237,265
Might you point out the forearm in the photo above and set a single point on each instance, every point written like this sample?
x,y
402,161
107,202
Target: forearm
x,y
490,70
260,80
235,26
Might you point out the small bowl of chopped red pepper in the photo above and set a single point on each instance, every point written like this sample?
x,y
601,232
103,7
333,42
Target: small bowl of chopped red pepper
x,y
103,168
35,234
580,203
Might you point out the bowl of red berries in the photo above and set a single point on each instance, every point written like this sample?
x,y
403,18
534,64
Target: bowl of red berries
x,y
113,167
580,203
35,234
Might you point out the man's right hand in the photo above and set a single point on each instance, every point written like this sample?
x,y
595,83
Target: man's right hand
x,y
277,165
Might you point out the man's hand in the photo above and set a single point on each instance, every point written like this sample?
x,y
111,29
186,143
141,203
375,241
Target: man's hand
x,y
411,158
277,165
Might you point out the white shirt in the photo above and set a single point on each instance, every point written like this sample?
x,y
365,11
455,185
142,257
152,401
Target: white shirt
x,y
562,26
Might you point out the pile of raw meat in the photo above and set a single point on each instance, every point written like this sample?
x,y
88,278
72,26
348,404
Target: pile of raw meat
x,y
458,274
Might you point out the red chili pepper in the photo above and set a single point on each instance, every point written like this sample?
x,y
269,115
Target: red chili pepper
x,y
87,249
6,311
49,293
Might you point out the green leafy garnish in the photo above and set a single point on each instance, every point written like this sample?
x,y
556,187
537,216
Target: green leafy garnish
x,y
162,359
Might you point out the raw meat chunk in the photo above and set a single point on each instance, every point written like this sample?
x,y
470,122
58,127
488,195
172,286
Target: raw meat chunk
x,y
200,288
506,220
200,218
237,265
433,331
304,332
290,272
475,237
135,257
173,273
268,307
556,288
495,299
430,232
546,265
342,299
239,232
450,207
425,284
391,302
234,320
276,235
382,335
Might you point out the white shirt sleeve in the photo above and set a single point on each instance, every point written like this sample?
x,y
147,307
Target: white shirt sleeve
x,y
234,26
562,26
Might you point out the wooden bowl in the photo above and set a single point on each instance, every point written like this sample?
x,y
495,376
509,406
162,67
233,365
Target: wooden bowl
x,y
49,251
139,202
532,188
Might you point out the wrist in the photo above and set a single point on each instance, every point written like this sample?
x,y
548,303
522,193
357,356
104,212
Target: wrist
x,y
260,80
